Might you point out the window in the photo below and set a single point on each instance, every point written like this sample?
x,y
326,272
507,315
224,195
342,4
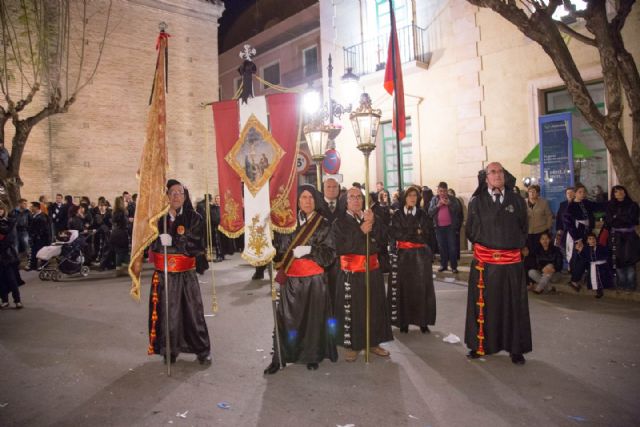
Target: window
x,y
382,15
271,73
390,157
310,61
591,171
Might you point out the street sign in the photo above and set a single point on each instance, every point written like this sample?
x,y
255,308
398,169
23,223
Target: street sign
x,y
302,162
331,162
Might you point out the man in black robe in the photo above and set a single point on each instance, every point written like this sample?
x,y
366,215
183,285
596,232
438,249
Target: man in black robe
x,y
497,304
332,207
183,240
350,234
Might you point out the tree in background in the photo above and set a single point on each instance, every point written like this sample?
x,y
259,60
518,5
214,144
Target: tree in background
x,y
50,51
603,22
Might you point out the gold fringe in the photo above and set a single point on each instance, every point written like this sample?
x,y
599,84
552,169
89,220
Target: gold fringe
x,y
283,230
230,234
257,263
135,288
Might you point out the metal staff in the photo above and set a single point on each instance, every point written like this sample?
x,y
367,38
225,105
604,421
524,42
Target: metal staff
x,y
167,338
366,260
274,306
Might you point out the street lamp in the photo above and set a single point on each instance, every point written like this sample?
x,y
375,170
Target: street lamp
x,y
365,121
316,134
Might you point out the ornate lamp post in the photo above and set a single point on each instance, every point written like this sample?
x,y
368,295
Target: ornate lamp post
x,y
317,133
365,121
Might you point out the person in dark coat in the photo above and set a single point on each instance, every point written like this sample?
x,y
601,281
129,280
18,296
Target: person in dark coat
x,y
570,194
349,234
39,233
497,303
58,213
382,209
118,249
307,331
412,298
578,222
8,260
620,222
596,258
182,239
446,213
332,207
547,266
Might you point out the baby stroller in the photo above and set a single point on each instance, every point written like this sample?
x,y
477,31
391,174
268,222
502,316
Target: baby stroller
x,y
64,258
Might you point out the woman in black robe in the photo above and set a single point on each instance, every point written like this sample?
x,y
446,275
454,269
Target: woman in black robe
x,y
306,329
620,222
350,239
411,296
382,209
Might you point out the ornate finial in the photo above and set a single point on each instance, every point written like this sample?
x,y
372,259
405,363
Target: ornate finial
x,y
162,26
247,52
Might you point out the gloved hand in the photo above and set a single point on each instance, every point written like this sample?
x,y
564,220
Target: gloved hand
x,y
166,240
301,251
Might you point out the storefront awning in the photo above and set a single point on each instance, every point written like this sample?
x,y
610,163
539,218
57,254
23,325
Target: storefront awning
x,y
580,151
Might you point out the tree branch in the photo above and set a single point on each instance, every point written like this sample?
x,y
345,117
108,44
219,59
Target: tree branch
x,y
576,35
624,9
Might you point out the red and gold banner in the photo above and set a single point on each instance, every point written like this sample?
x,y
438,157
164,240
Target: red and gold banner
x,y
226,119
284,122
152,201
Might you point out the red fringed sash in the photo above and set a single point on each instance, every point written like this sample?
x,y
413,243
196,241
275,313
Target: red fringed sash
x,y
484,255
409,245
355,263
304,267
154,312
176,263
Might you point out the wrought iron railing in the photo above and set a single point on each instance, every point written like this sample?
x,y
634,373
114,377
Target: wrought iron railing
x,y
371,55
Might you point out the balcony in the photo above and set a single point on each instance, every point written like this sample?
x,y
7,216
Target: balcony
x,y
300,76
371,55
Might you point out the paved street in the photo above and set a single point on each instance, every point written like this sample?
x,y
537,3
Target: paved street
x,y
76,356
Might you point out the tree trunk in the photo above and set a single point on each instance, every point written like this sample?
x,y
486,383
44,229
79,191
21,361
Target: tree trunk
x,y
10,177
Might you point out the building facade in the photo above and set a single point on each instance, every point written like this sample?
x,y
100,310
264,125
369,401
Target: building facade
x,y
95,148
474,89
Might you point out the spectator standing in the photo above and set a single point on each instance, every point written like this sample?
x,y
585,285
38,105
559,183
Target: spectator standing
x,y
620,222
445,212
119,240
59,217
39,233
8,260
539,217
561,237
460,222
23,217
44,205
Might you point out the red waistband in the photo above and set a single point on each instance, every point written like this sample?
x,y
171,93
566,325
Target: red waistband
x,y
355,263
176,263
409,245
496,256
303,267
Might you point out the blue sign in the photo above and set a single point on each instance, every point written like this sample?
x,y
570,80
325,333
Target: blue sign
x,y
331,162
556,157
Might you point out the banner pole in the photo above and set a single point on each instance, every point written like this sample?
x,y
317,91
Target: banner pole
x,y
167,338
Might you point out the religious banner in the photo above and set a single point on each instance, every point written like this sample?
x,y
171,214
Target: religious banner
x,y
284,118
255,157
226,119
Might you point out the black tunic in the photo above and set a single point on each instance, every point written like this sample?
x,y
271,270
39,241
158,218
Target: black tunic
x,y
189,332
306,333
350,239
499,226
333,269
416,297
621,220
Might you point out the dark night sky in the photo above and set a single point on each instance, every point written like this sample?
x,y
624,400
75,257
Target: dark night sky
x,y
233,9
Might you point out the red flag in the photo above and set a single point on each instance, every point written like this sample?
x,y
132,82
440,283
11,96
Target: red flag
x,y
393,80
152,202
284,116
226,119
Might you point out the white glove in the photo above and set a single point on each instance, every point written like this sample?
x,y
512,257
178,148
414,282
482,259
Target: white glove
x,y
165,239
300,251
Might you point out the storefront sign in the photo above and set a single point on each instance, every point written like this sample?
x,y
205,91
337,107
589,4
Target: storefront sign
x,y
556,157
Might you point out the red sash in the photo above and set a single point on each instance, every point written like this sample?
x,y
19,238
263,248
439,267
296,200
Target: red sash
x,y
489,256
176,263
496,256
303,267
409,245
355,263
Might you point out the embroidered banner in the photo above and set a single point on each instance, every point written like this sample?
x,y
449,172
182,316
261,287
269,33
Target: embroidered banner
x,y
284,118
226,119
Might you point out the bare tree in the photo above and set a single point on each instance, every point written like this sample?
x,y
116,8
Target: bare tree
x,y
604,21
50,52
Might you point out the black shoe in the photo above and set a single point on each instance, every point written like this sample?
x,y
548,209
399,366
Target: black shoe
x,y
257,276
173,359
517,359
205,360
404,329
455,271
575,286
312,366
599,293
473,355
441,269
272,369
425,329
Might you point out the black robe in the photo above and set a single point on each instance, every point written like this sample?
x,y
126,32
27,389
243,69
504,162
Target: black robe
x,y
620,221
189,332
333,269
415,297
306,327
351,289
506,312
